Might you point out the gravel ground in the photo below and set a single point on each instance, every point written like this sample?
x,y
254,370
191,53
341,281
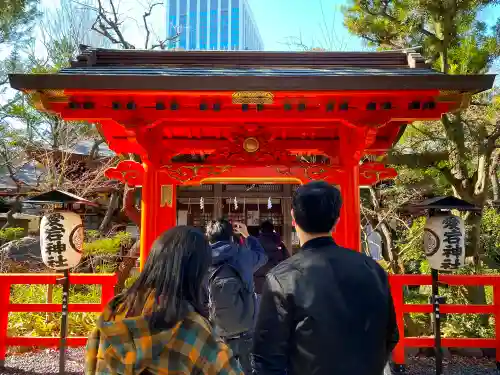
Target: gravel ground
x,y
46,362
453,366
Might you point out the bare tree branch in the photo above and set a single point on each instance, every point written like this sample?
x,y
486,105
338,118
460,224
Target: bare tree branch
x,y
108,25
145,21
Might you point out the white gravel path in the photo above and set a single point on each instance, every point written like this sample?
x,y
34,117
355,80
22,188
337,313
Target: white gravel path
x,y
46,362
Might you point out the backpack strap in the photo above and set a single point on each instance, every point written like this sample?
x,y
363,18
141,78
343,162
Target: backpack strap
x,y
219,267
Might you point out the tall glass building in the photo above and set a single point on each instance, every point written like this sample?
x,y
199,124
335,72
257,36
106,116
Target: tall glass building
x,y
213,25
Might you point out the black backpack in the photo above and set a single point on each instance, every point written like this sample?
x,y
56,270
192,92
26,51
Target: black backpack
x,y
231,303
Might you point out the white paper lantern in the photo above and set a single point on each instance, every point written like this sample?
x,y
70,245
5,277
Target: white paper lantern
x,y
444,242
61,240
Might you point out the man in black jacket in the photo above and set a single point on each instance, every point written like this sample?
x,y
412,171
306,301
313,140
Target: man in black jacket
x,y
275,250
326,310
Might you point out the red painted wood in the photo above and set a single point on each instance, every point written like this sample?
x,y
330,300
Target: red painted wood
x,y
161,126
496,304
450,309
131,173
45,341
4,319
107,281
51,278
428,342
155,217
55,307
398,282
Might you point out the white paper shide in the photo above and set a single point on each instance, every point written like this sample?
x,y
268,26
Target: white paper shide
x,y
444,242
61,240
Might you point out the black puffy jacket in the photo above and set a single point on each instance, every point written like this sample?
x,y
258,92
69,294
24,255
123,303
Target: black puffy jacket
x,y
325,311
276,253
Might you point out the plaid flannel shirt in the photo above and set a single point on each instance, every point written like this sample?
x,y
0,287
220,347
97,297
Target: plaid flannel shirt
x,y
127,346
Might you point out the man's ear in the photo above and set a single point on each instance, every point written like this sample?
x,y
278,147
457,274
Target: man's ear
x,y
293,218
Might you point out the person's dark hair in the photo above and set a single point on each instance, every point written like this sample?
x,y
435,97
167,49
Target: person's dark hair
x,y
266,227
174,271
316,207
219,230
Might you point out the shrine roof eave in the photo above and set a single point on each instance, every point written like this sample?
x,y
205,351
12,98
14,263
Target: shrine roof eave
x,y
158,82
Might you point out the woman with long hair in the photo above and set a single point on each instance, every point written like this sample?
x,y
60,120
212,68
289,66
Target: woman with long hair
x,y
159,325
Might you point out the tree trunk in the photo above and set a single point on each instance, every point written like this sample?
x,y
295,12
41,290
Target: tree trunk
x,y
126,266
130,259
129,207
476,294
16,207
493,172
112,206
392,252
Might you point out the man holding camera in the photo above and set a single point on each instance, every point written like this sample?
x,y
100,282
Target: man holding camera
x,y
231,294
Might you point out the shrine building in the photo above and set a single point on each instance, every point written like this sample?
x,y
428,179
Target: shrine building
x,y
233,133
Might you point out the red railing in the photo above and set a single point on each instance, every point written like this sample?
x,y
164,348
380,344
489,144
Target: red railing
x,y
398,282
107,281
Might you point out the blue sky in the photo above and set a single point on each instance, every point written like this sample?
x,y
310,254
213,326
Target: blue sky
x,y
316,22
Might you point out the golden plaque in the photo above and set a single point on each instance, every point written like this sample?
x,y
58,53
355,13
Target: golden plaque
x,y
253,97
167,196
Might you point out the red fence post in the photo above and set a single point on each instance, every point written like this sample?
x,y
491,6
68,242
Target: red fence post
x,y
4,317
398,354
108,291
496,303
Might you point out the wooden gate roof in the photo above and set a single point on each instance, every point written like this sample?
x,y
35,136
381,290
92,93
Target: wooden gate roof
x,y
249,70
199,114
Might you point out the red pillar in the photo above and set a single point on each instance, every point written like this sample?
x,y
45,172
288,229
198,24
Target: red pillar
x,y
158,209
348,230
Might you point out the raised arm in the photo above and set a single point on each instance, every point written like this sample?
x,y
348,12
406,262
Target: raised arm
x,y
257,254
272,331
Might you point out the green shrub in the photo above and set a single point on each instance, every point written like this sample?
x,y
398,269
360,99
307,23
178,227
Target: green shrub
x,y
48,324
92,235
11,234
108,246
421,323
130,281
468,325
490,234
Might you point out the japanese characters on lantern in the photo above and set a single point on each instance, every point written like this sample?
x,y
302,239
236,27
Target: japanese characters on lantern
x,y
444,242
61,240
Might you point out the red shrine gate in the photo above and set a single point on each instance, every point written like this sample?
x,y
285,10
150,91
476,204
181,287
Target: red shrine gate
x,y
240,117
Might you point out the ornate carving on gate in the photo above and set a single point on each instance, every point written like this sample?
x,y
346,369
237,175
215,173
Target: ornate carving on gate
x,y
129,172
252,144
308,172
191,173
371,173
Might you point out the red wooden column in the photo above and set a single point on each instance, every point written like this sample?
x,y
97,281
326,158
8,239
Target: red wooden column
x,y
348,230
158,208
